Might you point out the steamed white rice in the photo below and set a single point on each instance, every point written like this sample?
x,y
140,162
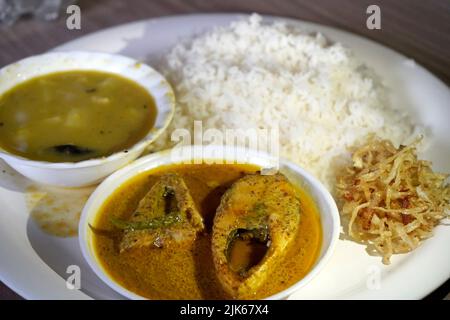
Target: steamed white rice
x,y
253,74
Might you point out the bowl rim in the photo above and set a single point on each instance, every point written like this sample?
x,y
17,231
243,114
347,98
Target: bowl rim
x,y
159,159
151,135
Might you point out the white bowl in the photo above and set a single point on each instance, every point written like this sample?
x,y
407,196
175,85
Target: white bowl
x,y
329,215
76,174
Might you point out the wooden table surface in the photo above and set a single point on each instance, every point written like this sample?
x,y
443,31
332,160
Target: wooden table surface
x,y
419,29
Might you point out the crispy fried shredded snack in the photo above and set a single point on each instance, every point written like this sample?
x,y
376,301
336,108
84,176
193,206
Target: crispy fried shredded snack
x,y
392,199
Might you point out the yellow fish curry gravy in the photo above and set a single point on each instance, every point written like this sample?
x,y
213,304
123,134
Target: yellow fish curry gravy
x,y
207,231
74,115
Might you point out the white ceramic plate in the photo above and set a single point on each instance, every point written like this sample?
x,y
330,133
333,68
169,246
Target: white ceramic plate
x,y
34,264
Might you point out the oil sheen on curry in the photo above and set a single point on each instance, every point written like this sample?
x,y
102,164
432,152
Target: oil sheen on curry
x,y
74,115
199,231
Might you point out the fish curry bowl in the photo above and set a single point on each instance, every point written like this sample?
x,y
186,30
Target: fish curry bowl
x,y
71,118
208,223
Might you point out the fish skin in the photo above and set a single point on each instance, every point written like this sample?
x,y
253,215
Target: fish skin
x,y
255,201
152,205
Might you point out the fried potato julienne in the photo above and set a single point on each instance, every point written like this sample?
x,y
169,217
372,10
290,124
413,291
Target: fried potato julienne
x,y
393,200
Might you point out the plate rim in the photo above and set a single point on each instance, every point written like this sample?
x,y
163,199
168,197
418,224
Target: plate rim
x,y
21,289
